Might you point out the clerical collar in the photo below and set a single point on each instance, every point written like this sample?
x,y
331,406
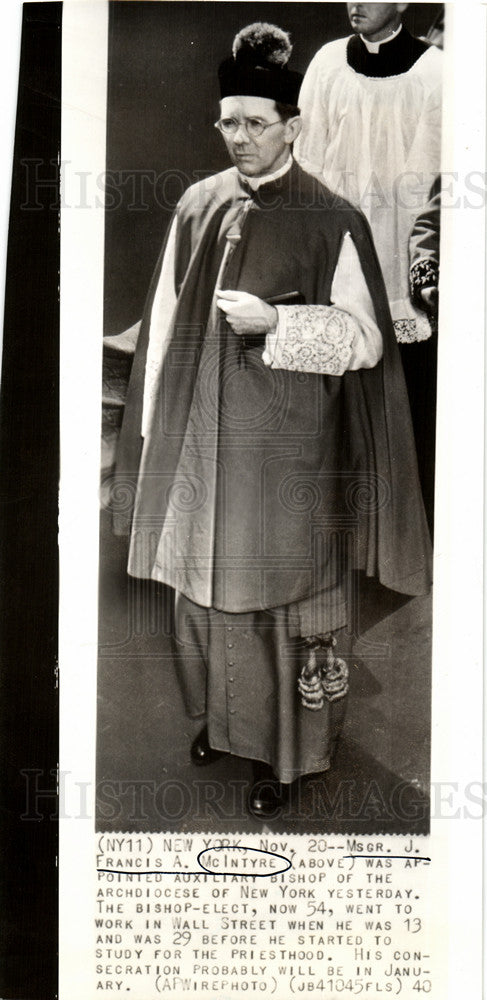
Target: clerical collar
x,y
395,55
374,47
256,182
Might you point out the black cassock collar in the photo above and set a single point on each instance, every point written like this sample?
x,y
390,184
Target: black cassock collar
x,y
392,59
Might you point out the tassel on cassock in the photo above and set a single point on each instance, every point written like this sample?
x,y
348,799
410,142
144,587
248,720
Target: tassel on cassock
x,y
320,682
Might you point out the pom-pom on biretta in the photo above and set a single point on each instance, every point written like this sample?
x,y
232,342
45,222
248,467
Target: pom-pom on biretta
x,y
258,65
262,44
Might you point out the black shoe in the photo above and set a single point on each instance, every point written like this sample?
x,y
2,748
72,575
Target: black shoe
x,y
201,752
267,796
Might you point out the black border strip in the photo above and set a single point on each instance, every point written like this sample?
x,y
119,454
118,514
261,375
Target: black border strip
x,y
29,474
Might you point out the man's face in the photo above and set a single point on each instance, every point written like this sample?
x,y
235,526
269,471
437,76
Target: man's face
x,y
375,21
258,156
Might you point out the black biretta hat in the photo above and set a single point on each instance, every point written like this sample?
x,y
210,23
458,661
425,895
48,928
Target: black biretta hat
x,y
258,65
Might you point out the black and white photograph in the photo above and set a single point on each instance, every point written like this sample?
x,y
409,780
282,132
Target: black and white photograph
x,y
241,460
269,415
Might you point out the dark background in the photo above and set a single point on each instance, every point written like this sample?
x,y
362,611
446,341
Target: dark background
x,y
162,103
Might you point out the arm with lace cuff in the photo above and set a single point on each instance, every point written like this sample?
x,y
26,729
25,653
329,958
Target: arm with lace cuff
x,y
329,340
424,248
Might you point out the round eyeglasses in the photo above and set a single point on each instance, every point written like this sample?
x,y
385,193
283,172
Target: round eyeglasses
x,y
254,127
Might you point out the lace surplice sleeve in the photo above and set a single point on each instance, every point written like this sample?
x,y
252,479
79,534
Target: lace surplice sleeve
x,y
329,340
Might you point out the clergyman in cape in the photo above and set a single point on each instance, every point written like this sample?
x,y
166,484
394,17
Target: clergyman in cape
x,y
267,449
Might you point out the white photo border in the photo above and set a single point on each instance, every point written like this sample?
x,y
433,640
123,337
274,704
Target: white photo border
x,y
455,842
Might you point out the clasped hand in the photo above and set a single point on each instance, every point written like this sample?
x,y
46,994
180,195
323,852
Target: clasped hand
x,y
247,314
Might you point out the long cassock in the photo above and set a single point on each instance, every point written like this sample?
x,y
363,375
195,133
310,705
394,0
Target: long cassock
x,y
266,471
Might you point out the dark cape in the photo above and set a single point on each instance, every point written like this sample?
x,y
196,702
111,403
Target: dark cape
x,y
248,472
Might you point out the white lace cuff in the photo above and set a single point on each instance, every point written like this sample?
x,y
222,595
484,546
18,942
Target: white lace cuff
x,y
313,338
412,331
